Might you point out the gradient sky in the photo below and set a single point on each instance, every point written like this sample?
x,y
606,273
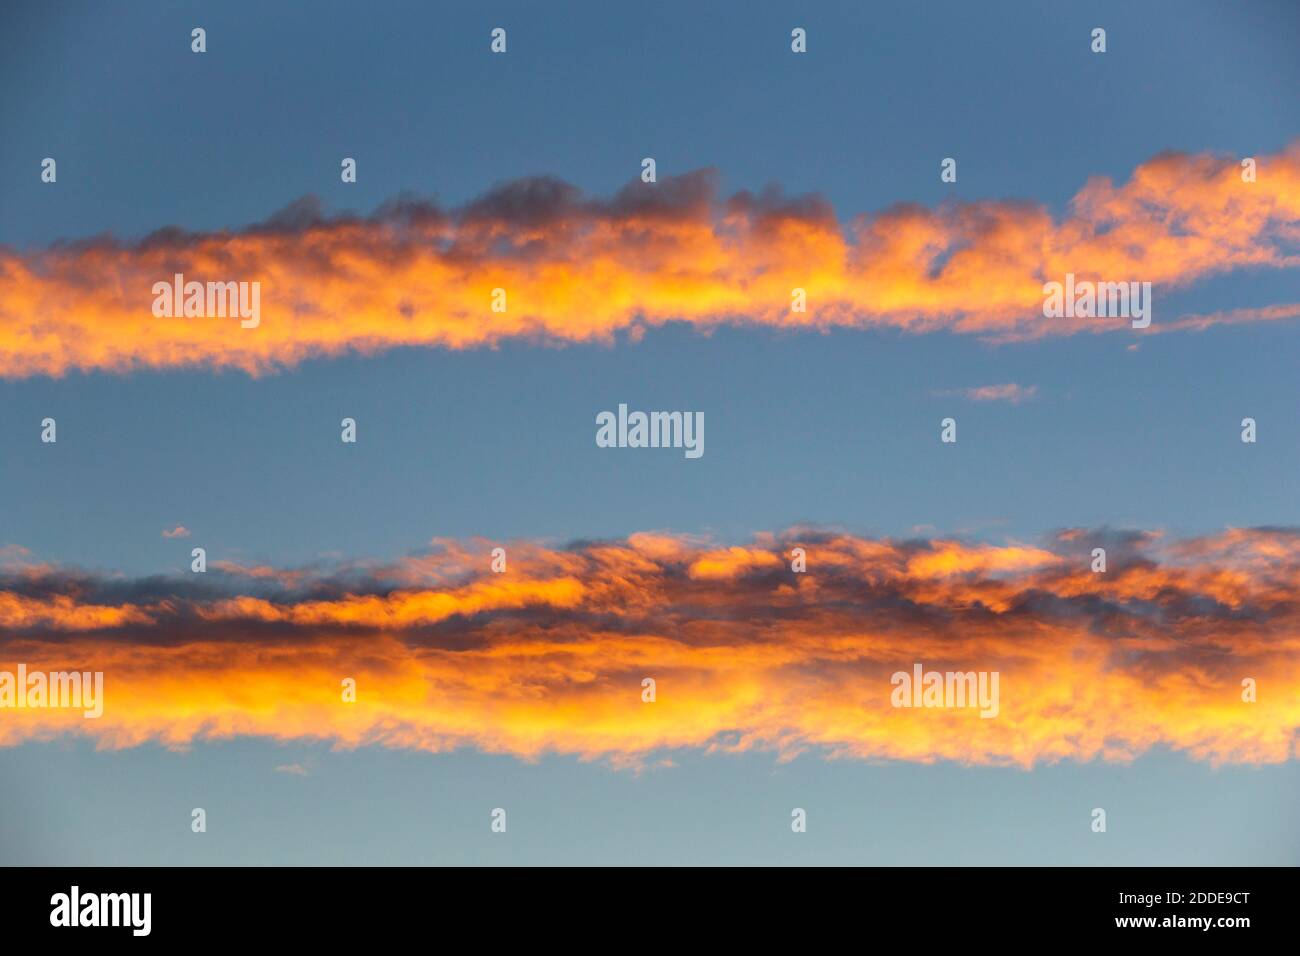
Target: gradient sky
x,y
834,428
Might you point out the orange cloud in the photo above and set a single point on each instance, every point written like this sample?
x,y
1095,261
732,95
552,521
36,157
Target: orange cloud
x,y
582,270
746,654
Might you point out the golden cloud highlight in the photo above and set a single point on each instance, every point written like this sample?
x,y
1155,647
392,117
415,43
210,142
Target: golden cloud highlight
x,y
746,654
576,269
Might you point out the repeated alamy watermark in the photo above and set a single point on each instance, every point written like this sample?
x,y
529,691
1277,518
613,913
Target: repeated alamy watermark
x,y
922,688
1100,300
651,430
76,690
199,300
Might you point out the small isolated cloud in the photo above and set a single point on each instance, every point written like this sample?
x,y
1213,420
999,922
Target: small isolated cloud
x,y
296,769
180,531
1010,392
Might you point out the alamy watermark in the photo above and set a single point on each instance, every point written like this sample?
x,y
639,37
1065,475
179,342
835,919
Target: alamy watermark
x,y
199,300
1101,300
651,430
83,690
75,908
922,688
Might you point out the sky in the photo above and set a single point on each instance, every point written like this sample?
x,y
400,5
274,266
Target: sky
x,y
476,429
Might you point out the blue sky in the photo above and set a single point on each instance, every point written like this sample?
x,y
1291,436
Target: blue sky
x,y
837,429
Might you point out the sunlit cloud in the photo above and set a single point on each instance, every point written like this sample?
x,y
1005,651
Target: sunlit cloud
x,y
576,269
746,654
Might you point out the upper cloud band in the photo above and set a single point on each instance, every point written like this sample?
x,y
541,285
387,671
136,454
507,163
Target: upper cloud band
x,y
577,270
